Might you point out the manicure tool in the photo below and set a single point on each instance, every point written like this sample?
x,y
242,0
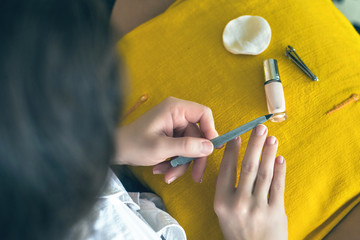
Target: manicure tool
x,y
290,52
220,140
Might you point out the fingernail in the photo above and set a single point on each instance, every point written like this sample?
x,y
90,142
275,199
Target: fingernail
x,y
271,140
201,179
220,147
280,160
206,147
171,180
155,171
260,129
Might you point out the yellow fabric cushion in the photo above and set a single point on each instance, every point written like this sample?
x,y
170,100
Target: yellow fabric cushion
x,y
180,53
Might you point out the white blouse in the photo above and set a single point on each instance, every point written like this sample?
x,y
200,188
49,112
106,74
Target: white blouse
x,y
130,216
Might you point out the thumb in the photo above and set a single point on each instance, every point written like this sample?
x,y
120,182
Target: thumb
x,y
186,146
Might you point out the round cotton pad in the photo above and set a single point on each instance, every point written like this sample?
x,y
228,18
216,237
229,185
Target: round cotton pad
x,y
247,35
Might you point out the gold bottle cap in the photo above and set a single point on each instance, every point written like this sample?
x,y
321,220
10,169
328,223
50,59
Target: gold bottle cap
x,y
271,70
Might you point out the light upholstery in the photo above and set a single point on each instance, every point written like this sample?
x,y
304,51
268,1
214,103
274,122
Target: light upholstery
x,y
180,53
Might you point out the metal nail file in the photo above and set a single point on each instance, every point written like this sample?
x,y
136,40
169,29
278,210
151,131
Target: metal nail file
x,y
220,140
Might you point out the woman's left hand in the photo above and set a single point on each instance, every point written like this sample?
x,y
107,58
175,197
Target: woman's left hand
x,y
172,128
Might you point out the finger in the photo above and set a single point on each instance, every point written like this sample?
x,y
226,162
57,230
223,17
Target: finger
x,y
192,130
199,164
198,169
184,146
226,178
277,187
250,163
266,169
173,173
162,167
183,111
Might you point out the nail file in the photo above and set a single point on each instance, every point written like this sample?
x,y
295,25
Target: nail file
x,y
220,140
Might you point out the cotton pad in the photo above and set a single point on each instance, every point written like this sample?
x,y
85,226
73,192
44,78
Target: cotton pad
x,y
247,35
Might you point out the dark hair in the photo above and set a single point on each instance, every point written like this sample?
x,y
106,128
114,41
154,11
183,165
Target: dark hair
x,y
59,103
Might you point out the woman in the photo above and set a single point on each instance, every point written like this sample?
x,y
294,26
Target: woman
x,y
60,101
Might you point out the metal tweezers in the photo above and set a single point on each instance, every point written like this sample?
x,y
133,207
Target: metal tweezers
x,y
290,52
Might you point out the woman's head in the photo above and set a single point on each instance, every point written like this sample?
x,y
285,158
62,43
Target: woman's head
x,y
59,102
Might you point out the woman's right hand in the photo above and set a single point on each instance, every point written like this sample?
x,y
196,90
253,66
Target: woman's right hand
x,y
255,209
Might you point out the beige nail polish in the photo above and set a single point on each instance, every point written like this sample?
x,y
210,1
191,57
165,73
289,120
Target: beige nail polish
x,y
274,91
171,180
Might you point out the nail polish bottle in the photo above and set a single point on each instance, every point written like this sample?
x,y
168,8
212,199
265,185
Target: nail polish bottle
x,y
274,91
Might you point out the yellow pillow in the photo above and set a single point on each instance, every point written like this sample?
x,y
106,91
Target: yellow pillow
x,y
180,53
